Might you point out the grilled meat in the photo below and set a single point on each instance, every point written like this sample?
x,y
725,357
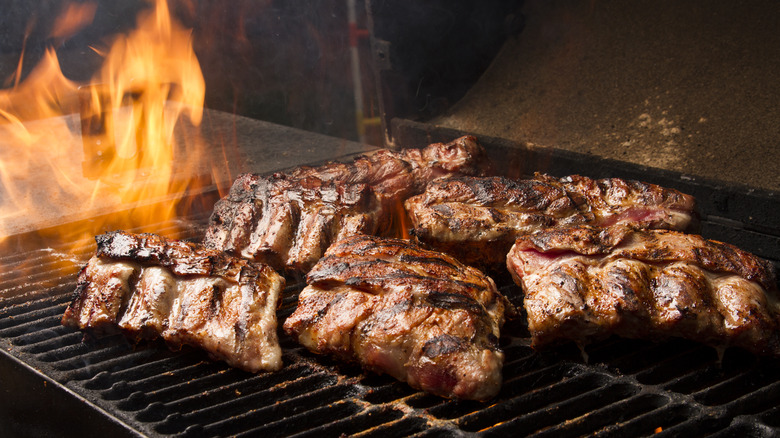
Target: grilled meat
x,y
478,219
586,283
288,219
417,315
395,175
289,223
147,286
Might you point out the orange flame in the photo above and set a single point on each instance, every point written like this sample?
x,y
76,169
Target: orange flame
x,y
71,151
75,17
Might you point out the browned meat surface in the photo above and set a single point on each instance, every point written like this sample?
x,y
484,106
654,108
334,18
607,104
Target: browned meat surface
x,y
613,200
288,220
396,174
147,286
586,283
289,223
417,315
478,219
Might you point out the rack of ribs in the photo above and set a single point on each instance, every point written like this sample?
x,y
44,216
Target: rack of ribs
x,y
146,286
586,283
288,219
477,219
417,315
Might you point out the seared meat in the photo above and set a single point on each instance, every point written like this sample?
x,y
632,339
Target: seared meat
x,y
148,286
417,315
395,175
613,200
586,283
478,219
289,223
288,220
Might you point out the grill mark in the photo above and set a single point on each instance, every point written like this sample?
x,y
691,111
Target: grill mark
x,y
239,328
335,271
330,266
451,301
362,244
526,193
415,259
215,301
337,298
443,344
357,281
484,193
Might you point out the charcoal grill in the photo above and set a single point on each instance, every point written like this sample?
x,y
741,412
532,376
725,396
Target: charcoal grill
x,y
55,384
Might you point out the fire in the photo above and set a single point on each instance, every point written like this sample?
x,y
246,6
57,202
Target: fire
x,y
402,224
75,17
73,151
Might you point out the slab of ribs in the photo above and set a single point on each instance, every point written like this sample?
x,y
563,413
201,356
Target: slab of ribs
x,y
147,286
586,283
478,219
420,316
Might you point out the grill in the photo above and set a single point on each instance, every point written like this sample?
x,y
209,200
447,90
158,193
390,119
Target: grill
x,y
623,388
55,383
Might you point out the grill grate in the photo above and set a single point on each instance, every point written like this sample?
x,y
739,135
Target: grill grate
x,y
626,388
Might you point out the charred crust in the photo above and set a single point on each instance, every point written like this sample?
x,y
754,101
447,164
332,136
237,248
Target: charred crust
x,y
426,260
443,344
452,301
215,301
79,295
181,257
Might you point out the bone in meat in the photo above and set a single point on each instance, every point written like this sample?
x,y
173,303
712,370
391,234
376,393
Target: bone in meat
x,y
477,219
585,283
147,286
417,315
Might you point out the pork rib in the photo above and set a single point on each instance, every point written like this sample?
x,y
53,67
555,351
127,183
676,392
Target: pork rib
x,y
586,283
147,286
289,223
477,219
288,219
417,315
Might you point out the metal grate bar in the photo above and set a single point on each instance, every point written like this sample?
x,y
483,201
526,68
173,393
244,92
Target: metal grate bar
x,y
664,418
356,423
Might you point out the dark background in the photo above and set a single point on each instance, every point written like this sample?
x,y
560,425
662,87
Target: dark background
x,y
278,61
